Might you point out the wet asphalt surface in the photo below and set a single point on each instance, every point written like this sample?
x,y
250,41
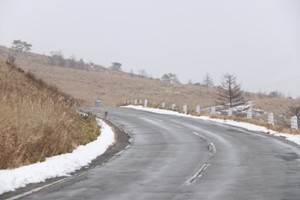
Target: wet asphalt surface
x,y
180,158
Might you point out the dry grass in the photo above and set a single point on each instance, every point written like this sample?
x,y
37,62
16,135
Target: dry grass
x,y
37,120
114,88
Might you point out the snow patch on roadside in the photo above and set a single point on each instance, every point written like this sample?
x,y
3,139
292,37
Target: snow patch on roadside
x,y
58,166
248,126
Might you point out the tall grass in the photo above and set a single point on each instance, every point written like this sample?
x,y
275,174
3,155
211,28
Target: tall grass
x,y
37,120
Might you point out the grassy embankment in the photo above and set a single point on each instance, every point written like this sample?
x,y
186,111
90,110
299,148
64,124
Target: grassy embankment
x,y
37,120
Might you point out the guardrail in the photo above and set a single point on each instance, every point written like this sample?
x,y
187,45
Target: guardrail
x,y
246,112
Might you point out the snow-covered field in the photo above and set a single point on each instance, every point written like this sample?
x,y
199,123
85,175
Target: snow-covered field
x,y
248,126
57,166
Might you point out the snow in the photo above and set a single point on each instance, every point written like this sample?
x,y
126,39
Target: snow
x,y
57,166
245,125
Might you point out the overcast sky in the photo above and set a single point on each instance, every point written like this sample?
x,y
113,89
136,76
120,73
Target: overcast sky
x,y
257,40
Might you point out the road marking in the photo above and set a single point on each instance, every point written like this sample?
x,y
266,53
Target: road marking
x,y
195,133
42,187
211,146
174,125
198,174
200,136
119,153
157,119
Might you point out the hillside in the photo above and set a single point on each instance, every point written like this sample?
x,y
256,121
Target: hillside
x,y
88,82
37,120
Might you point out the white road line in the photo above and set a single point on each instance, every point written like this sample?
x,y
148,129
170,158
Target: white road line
x,y
174,125
157,119
211,146
197,134
42,187
197,174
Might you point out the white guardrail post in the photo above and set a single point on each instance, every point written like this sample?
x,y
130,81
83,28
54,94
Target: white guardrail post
x,y
146,103
271,119
163,105
294,122
249,113
229,112
173,106
185,109
198,109
213,110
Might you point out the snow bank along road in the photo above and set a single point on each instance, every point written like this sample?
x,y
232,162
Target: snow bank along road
x,y
180,158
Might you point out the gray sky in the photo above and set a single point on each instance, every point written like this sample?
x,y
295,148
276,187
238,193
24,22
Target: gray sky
x,y
258,40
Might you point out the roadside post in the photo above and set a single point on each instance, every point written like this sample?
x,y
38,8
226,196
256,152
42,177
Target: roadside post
x,y
198,109
173,106
294,122
229,112
213,110
97,102
185,109
249,113
271,119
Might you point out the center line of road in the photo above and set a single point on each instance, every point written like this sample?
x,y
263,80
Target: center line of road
x,y
211,146
198,173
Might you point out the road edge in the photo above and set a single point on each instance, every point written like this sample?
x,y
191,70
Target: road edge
x,y
122,141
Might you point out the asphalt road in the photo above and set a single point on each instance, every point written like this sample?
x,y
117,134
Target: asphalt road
x,y
180,158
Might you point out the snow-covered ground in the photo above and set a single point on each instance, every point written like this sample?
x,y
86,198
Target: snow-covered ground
x,y
248,126
57,166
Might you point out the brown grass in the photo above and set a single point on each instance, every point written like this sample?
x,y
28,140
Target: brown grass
x,y
114,88
37,120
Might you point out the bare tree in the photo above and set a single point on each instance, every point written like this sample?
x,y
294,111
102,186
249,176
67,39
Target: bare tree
x,y
143,73
81,64
207,81
72,61
57,58
276,94
230,92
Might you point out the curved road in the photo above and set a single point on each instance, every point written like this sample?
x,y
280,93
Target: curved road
x,y
180,158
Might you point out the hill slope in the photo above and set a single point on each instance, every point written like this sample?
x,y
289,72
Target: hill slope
x,y
89,82
37,120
